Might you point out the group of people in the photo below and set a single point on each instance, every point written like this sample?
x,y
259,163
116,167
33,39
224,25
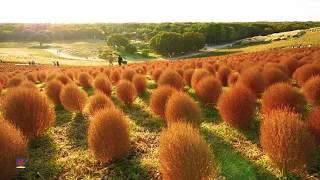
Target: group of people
x,y
110,59
56,63
32,62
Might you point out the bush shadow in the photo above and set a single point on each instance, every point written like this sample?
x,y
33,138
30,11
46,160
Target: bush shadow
x,y
77,132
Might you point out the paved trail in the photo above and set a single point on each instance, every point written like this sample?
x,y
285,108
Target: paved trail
x,y
67,56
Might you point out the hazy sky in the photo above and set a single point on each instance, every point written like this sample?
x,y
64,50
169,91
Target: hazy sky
x,y
80,11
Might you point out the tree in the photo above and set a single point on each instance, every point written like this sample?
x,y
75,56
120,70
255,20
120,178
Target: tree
x,y
117,40
192,41
166,42
40,37
267,31
130,48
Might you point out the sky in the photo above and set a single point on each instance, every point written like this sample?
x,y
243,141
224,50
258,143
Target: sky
x,y
92,11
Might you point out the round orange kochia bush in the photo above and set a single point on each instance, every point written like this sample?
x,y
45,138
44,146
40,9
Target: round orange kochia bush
x,y
172,78
223,74
185,155
187,75
126,92
181,107
209,90
128,74
108,135
13,145
140,82
29,85
311,90
253,80
63,78
314,123
156,74
99,101
85,79
274,75
31,77
197,75
28,110
237,106
302,74
15,81
286,139
103,84
291,65
233,79
280,95
42,75
159,98
115,76
73,98
53,90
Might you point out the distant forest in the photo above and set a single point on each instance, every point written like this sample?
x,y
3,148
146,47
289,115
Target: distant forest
x,y
215,33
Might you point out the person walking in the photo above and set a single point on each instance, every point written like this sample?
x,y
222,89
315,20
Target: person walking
x,y
110,58
120,60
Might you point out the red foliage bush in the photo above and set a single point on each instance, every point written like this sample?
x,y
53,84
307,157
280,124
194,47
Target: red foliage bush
x,y
209,67
172,78
185,155
73,98
140,82
128,74
223,74
237,106
103,84
31,77
15,81
108,135
291,65
159,98
181,107
126,92
115,76
311,90
209,90
29,85
280,95
305,72
28,110
286,139
13,145
253,80
53,90
187,75
99,101
85,80
156,74
42,76
233,79
197,75
274,75
63,78
314,123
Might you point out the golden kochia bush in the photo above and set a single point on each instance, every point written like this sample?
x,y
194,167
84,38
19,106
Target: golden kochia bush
x,y
280,95
85,79
13,145
156,74
99,101
311,90
126,92
223,74
103,84
140,82
53,89
31,77
172,78
253,80
42,75
159,98
209,90
28,110
286,139
63,78
185,155
181,107
108,135
15,81
237,106
128,74
29,85
197,75
187,75
73,98
314,123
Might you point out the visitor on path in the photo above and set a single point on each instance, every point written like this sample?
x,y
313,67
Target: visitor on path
x,y
120,60
32,62
54,63
58,64
110,58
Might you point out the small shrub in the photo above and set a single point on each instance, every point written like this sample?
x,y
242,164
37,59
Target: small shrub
x,y
145,52
140,82
185,155
286,139
73,98
198,75
108,135
115,76
128,74
172,78
156,74
159,98
13,145
311,90
99,101
31,77
237,106
280,95
233,79
103,84
253,80
53,90
63,78
223,74
181,107
29,85
274,75
14,81
314,123
305,72
291,65
42,76
209,90
187,75
126,92
85,80
28,110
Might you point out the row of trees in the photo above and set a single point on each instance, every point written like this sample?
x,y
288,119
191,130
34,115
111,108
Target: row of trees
x,y
214,33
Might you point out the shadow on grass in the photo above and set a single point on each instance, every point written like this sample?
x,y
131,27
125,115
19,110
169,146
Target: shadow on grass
x,y
152,84
41,159
90,91
145,97
78,131
232,164
62,116
210,114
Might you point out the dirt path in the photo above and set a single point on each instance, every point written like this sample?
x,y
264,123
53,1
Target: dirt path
x,y
67,56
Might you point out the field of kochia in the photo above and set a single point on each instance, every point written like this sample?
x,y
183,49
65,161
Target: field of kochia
x,y
240,116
